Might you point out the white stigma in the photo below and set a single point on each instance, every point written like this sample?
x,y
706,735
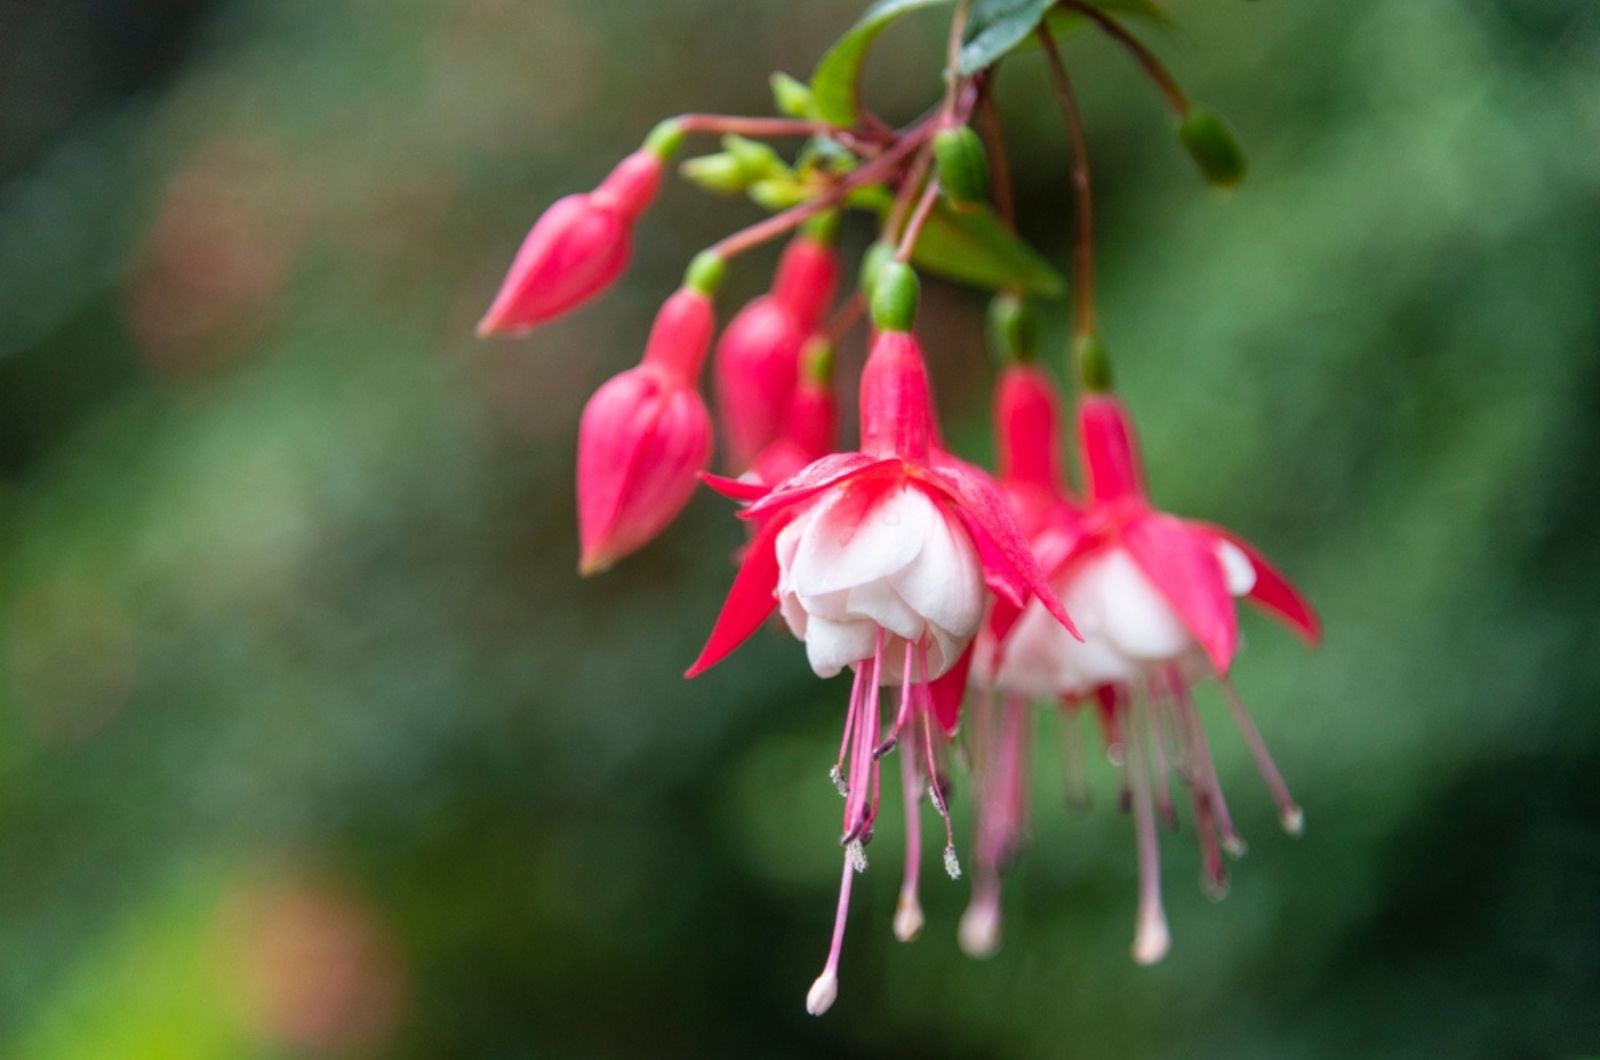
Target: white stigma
x,y
952,864
1294,820
1234,846
857,855
908,918
820,997
835,775
979,933
1151,939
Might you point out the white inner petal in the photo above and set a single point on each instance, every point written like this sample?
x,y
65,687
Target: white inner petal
x,y
1237,570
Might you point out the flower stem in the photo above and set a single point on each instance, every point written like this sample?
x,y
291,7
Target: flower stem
x,y
1173,92
879,168
1082,184
999,163
919,219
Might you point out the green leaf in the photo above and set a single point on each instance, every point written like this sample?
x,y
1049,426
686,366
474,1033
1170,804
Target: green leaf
x,y
975,248
836,80
997,26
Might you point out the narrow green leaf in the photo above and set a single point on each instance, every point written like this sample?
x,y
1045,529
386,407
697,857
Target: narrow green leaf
x,y
835,81
975,248
996,27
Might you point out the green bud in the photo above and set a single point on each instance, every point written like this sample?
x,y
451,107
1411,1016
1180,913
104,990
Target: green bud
x,y
816,360
778,193
705,272
791,96
1094,363
877,256
720,173
1013,328
894,297
665,139
962,166
759,160
822,228
1213,146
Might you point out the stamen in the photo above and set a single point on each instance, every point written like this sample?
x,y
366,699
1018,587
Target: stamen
x,y
1206,770
908,914
856,853
821,996
952,864
979,932
1147,733
1151,938
1290,815
837,776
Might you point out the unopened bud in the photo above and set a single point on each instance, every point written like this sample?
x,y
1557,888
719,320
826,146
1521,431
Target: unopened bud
x,y
778,193
894,297
1094,366
1213,146
872,262
962,166
759,160
791,96
1013,328
720,173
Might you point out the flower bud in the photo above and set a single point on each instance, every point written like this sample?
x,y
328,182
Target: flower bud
x,y
894,297
720,173
1013,328
778,193
1213,146
759,160
811,426
791,97
576,250
962,166
645,437
758,356
877,256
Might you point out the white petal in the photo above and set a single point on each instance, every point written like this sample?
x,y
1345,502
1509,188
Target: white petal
x,y
1237,570
1138,620
944,584
855,540
831,646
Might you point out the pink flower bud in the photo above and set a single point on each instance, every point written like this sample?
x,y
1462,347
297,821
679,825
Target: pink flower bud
x,y
576,250
644,438
758,356
809,432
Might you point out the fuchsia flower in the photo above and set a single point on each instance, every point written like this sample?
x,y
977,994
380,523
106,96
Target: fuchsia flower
x,y
757,361
645,435
1154,597
580,245
878,560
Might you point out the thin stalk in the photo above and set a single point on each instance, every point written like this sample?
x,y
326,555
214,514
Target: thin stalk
x,y
919,218
994,139
1173,92
1082,184
748,238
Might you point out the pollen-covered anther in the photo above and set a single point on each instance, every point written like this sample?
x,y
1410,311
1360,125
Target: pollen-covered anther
x,y
1294,821
952,864
836,775
1235,847
857,853
908,918
884,748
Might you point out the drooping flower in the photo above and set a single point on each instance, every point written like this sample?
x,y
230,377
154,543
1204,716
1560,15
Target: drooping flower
x,y
878,560
645,435
1154,598
580,245
757,360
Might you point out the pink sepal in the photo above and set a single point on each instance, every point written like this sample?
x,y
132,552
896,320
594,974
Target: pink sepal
x,y
751,599
1182,563
1110,448
813,479
735,489
1272,591
947,691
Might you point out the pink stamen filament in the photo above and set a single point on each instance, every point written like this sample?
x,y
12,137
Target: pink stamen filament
x,y
935,785
1206,769
826,988
1289,812
1151,938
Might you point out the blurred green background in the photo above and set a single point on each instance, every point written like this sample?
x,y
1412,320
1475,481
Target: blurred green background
x,y
313,744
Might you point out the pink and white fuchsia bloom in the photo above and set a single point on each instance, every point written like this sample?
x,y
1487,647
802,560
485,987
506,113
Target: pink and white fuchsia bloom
x,y
878,560
1154,597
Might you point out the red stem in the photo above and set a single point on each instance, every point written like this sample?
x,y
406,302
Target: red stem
x,y
1176,98
1082,184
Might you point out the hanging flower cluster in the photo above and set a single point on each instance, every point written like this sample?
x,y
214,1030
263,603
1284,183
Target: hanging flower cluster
x,y
939,586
